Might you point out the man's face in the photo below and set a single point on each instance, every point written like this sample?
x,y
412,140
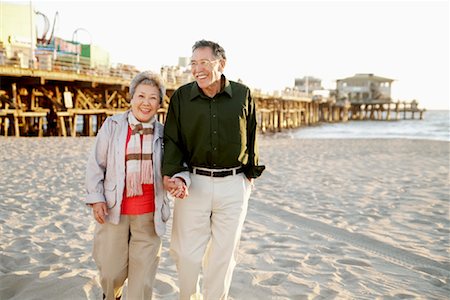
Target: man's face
x,y
206,69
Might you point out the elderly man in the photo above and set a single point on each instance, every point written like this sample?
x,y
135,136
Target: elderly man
x,y
211,131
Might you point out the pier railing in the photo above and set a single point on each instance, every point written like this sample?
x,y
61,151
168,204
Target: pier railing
x,y
69,64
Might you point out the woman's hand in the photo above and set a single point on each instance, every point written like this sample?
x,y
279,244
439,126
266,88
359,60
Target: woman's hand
x,y
100,212
176,187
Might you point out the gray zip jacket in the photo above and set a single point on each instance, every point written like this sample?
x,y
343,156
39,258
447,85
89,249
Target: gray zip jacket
x,y
105,170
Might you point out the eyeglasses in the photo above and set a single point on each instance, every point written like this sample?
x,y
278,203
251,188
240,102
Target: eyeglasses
x,y
204,63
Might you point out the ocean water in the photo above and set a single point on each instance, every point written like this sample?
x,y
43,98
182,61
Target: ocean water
x,y
434,126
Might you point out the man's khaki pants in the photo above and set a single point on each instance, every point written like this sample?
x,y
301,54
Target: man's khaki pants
x,y
130,250
207,226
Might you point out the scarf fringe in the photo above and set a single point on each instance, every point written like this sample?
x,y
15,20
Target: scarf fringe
x,y
134,187
147,172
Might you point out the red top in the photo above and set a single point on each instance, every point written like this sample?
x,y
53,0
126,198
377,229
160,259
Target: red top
x,y
142,204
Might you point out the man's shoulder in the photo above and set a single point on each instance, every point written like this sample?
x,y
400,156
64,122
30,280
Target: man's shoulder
x,y
182,92
185,87
238,85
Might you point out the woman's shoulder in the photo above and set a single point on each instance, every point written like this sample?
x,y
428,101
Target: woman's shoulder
x,y
159,128
118,117
114,121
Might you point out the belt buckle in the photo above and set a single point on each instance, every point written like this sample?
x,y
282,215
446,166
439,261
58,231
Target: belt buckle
x,y
222,173
203,172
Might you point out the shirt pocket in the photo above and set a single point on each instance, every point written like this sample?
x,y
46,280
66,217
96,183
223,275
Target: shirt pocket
x,y
110,194
234,130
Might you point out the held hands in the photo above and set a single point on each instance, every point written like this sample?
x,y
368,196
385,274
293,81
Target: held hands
x,y
176,187
100,212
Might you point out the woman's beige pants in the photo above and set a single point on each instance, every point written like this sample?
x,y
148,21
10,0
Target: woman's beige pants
x,y
130,250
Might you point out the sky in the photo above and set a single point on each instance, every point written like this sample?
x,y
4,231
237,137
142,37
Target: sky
x,y
270,43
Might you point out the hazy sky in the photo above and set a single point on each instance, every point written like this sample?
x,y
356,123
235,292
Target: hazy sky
x,y
270,43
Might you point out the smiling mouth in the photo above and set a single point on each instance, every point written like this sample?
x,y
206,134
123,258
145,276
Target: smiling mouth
x,y
201,76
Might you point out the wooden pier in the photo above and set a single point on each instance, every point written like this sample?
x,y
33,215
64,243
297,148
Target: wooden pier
x,y
278,113
386,111
37,102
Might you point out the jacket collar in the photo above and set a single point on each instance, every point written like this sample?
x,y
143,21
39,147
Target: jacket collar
x,y
158,130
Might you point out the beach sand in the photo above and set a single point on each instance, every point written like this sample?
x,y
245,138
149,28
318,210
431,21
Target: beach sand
x,y
329,219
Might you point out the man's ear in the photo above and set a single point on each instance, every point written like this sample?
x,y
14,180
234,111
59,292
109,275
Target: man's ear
x,y
222,64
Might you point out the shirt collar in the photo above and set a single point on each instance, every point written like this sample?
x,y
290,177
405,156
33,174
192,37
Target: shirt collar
x,y
226,88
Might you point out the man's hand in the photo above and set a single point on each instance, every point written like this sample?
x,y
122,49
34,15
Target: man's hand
x,y
176,187
100,212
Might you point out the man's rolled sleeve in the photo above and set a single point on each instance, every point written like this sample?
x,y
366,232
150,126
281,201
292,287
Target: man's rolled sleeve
x,y
185,177
252,169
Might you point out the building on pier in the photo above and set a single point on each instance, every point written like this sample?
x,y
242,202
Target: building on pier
x,y
368,97
364,88
308,84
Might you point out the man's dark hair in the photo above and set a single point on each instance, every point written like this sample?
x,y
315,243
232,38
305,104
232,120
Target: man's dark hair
x,y
217,50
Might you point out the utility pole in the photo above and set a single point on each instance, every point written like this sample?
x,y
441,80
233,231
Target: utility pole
x,y
33,38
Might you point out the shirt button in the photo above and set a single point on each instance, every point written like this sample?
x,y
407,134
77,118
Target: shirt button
x,y
215,148
214,116
215,132
214,165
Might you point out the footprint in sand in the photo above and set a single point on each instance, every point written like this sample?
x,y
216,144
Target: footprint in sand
x,y
313,260
270,279
390,253
288,263
353,262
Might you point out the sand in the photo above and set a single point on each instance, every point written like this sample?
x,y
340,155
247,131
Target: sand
x,y
329,219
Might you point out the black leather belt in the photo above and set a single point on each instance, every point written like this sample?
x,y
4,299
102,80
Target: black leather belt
x,y
217,173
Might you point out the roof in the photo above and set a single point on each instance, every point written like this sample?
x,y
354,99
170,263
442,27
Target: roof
x,y
367,76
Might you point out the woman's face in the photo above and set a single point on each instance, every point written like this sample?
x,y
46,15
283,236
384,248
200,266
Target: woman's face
x,y
145,102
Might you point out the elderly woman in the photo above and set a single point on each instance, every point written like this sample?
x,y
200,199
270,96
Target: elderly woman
x,y
125,190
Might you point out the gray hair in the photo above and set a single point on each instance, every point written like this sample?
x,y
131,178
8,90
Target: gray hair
x,y
217,50
148,78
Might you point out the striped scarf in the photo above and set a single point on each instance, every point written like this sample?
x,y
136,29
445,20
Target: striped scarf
x,y
139,167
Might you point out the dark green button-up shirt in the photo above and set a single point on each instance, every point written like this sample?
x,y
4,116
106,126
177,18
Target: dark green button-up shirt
x,y
215,133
